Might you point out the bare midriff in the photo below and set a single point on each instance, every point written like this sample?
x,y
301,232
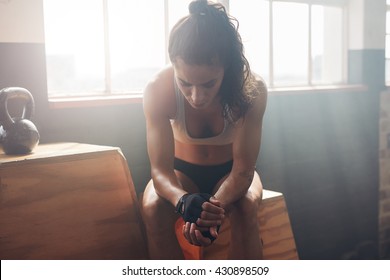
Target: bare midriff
x,y
203,154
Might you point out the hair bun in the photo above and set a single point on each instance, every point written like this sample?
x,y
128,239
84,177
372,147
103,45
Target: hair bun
x,y
198,7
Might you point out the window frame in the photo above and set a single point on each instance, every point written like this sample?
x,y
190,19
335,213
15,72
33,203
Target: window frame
x,y
108,98
310,3
387,59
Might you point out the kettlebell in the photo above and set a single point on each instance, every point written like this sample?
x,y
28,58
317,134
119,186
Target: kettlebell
x,y
19,135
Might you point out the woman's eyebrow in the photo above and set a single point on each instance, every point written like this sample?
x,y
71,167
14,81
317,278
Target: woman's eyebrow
x,y
204,84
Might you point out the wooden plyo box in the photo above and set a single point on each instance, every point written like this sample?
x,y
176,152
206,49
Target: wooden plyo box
x,y
77,201
69,201
275,232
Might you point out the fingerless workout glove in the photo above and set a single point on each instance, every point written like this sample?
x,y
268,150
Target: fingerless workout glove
x,y
190,208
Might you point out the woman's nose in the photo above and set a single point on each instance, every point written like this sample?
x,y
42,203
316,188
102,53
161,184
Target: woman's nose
x,y
197,95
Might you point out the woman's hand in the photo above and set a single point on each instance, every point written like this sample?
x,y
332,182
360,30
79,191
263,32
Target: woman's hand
x,y
209,221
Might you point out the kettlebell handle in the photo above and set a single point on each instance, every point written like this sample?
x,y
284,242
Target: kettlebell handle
x,y
15,93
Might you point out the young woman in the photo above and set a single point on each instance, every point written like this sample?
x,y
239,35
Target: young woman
x,y
204,119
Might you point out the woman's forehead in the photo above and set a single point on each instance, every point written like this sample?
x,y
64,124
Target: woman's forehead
x,y
194,74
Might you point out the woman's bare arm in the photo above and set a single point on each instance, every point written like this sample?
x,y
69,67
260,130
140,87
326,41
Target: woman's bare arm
x,y
160,142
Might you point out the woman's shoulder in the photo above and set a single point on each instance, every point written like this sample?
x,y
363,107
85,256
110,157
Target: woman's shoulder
x,y
260,85
161,81
159,93
259,101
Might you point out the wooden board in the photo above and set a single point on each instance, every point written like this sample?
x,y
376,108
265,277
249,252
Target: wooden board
x,y
69,201
275,231
275,228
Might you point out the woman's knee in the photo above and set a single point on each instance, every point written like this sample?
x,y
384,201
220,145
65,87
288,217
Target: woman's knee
x,y
157,213
150,207
247,206
151,203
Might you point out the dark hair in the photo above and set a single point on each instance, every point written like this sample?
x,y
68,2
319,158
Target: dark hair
x,y
208,35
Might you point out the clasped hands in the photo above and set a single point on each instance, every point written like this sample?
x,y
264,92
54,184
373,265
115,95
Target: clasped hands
x,y
203,215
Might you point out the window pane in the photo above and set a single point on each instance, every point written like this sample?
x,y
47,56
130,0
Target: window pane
x,y
136,33
387,50
388,22
74,46
290,41
253,18
327,42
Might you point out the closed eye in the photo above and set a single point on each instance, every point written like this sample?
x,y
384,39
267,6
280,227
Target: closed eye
x,y
209,84
184,84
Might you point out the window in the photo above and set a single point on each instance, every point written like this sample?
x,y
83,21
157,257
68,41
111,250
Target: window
x,y
387,51
111,47
293,43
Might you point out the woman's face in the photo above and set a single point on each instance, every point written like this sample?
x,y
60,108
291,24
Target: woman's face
x,y
199,83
